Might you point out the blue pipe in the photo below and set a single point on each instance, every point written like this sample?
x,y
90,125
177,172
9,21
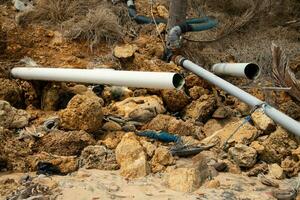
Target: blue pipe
x,y
190,25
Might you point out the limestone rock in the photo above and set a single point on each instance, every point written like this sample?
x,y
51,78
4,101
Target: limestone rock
x,y
161,158
125,51
201,109
213,184
222,112
9,91
66,164
263,122
291,108
82,113
149,147
257,146
275,171
291,167
196,92
243,155
98,157
111,126
175,99
277,146
112,139
140,109
131,157
211,126
174,126
11,117
183,179
245,135
64,143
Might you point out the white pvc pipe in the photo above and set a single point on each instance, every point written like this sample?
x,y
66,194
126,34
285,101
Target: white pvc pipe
x,y
285,121
247,70
159,80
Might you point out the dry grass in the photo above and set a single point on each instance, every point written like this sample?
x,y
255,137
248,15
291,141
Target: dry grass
x,y
100,24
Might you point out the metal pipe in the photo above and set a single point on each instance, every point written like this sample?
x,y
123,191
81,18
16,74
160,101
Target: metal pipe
x,y
285,121
159,80
247,70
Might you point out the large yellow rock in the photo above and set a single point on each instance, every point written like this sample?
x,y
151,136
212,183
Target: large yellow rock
x,y
131,157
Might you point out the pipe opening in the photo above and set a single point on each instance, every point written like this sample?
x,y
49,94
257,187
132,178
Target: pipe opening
x,y
178,81
252,71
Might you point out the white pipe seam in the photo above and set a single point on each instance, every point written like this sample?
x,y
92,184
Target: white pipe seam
x,y
158,80
246,70
285,121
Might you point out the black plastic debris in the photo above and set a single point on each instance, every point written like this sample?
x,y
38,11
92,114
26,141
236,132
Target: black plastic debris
x,y
185,151
48,169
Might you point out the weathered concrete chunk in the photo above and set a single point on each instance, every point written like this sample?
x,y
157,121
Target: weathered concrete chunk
x,y
98,157
131,157
82,113
243,155
263,122
11,117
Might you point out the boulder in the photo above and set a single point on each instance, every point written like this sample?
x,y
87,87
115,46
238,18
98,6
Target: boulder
x,y
112,139
98,157
243,155
131,157
82,113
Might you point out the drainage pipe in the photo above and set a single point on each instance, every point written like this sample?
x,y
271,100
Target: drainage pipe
x,y
247,70
159,80
285,121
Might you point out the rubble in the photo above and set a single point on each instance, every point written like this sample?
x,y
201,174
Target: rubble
x,y
141,109
62,143
10,91
175,100
275,171
162,157
82,113
11,117
263,122
124,51
201,109
243,155
98,157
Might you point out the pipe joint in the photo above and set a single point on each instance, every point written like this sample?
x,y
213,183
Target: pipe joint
x,y
174,38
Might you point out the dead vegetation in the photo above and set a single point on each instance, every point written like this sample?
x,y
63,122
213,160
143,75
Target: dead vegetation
x,y
98,25
89,20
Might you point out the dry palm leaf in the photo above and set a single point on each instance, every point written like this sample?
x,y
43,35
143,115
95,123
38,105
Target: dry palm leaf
x,y
283,74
